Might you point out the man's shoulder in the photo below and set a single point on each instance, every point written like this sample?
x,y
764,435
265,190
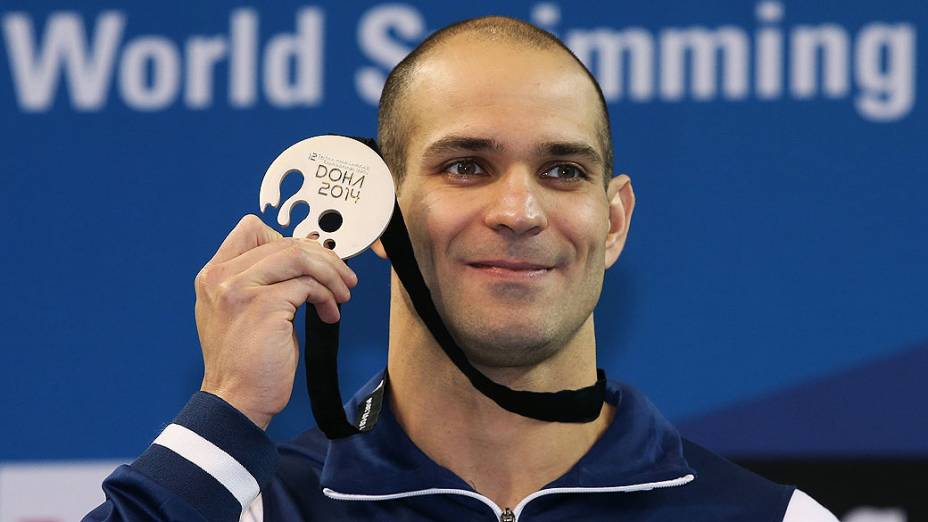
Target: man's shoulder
x,y
735,488
725,478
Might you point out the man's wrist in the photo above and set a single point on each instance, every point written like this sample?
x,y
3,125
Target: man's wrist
x,y
261,420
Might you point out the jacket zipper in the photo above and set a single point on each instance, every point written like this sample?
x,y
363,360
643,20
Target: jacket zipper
x,y
510,515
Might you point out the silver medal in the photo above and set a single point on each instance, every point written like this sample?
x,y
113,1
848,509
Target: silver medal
x,y
347,186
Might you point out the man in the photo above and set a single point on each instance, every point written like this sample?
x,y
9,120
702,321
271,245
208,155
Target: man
x,y
500,144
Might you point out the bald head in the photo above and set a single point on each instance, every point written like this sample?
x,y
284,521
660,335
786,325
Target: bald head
x,y
394,120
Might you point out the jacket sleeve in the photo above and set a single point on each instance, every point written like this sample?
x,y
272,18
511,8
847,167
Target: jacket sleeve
x,y
209,464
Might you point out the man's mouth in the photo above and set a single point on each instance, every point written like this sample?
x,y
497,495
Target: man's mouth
x,y
511,268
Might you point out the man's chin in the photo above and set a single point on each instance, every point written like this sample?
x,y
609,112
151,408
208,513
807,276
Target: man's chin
x,y
508,347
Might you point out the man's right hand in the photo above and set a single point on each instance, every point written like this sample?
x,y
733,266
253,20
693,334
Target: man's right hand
x,y
247,298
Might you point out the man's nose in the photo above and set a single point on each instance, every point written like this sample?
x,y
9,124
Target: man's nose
x,y
516,204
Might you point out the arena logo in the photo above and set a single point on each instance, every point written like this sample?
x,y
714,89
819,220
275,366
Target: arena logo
x,y
633,64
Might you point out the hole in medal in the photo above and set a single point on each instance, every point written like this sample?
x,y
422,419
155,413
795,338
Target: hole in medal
x,y
330,221
290,184
329,243
291,181
313,235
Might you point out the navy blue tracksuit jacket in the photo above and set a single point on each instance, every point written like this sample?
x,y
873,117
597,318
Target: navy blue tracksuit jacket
x,y
212,463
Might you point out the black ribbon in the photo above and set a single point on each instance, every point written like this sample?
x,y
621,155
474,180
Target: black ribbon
x,y
321,353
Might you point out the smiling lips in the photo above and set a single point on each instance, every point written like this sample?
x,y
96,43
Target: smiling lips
x,y
510,268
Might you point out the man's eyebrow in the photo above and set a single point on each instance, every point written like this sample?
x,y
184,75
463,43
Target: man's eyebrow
x,y
453,144
565,148
462,143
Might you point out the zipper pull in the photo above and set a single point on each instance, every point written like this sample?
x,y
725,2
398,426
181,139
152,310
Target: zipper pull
x,y
507,516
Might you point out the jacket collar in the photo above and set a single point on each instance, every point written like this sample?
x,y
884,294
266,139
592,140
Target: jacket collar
x,y
639,447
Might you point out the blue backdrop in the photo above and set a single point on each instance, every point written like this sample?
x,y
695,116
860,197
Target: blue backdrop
x,y
771,299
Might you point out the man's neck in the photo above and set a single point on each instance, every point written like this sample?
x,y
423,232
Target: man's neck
x,y
502,455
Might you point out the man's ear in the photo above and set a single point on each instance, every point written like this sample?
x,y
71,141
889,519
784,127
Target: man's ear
x,y
621,204
378,249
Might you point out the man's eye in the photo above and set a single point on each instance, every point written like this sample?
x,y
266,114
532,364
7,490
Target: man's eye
x,y
464,168
565,173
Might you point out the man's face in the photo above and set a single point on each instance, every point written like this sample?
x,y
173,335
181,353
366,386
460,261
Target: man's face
x,y
503,196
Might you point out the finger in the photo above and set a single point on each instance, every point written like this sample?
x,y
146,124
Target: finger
x,y
293,262
250,232
246,260
249,258
347,274
306,289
